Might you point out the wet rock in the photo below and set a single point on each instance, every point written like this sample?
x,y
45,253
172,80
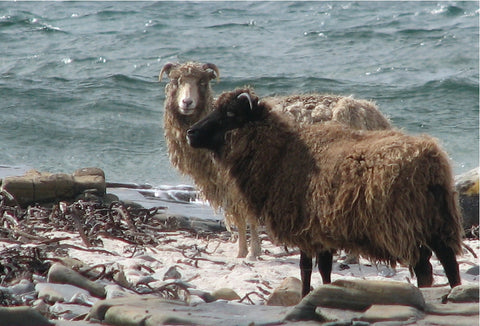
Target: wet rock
x,y
357,295
378,313
22,316
475,270
172,273
59,273
467,186
69,311
288,293
52,292
464,293
22,287
225,294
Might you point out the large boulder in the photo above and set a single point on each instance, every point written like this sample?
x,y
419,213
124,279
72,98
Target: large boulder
x,y
42,187
467,186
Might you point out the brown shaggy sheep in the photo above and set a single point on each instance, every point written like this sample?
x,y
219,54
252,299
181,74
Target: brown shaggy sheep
x,y
382,194
189,98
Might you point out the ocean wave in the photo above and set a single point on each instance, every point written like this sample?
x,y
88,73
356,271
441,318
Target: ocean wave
x,y
233,25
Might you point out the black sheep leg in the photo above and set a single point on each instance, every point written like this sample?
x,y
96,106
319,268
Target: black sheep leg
x,y
423,269
324,261
305,272
448,259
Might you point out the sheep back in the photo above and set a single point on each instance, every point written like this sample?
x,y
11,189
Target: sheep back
x,y
317,108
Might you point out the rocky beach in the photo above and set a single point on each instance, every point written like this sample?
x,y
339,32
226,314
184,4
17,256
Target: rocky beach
x,y
114,254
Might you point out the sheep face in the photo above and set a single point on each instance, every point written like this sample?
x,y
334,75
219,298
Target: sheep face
x,y
189,83
232,110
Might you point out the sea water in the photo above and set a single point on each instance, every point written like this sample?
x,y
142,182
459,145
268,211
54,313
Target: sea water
x,y
79,80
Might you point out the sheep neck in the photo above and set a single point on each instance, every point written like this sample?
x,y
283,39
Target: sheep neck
x,y
261,148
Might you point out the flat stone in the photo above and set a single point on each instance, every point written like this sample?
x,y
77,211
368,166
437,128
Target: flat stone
x,y
53,292
464,293
357,295
59,273
438,320
22,316
148,310
391,313
462,309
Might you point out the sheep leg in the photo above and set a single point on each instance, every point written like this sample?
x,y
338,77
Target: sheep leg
x,y
255,247
305,272
324,261
423,269
448,259
242,239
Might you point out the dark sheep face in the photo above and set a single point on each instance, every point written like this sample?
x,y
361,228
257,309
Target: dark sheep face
x,y
232,110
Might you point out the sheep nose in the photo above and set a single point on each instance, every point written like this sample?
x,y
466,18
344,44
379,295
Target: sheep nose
x,y
187,102
191,132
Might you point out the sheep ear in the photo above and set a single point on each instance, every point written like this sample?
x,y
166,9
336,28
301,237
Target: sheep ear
x,y
214,68
166,69
246,95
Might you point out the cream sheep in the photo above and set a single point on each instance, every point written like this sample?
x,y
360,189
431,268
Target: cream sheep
x,y
189,97
382,194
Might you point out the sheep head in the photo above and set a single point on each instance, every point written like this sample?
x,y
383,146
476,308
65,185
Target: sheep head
x,y
189,84
232,110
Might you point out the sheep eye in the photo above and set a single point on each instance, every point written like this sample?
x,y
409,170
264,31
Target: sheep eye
x,y
230,114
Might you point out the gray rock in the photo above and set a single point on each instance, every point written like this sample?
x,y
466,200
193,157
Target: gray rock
x,y
172,274
391,313
441,320
52,292
22,287
475,270
59,273
357,295
143,310
464,293
467,186
22,316
69,311
460,309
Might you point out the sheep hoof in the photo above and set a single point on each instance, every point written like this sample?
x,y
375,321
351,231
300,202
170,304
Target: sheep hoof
x,y
251,257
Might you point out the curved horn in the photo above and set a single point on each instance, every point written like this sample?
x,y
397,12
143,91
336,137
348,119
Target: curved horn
x,y
166,69
214,68
246,95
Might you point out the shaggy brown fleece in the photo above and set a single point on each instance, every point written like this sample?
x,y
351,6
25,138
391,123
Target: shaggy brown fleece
x,y
381,194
